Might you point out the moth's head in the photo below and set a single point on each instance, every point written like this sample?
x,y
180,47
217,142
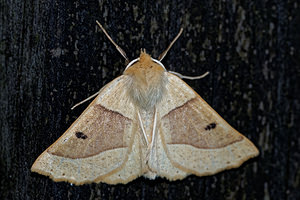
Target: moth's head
x,y
146,61
147,80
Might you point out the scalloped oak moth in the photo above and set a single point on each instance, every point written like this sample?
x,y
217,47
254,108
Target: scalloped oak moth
x,y
147,122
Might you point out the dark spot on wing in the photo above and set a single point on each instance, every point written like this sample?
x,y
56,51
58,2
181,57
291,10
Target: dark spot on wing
x,y
80,135
210,126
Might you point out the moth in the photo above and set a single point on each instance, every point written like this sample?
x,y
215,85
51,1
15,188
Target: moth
x,y
147,122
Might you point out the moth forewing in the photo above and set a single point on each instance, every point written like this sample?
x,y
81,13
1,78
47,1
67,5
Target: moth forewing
x,y
199,141
98,144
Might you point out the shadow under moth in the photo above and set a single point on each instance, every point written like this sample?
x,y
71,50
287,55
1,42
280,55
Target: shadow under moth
x,y
147,122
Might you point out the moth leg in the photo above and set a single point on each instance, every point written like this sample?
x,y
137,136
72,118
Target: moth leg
x,y
189,77
142,126
150,147
81,102
154,129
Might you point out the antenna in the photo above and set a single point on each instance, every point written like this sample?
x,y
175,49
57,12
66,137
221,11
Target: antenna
x,y
163,54
122,52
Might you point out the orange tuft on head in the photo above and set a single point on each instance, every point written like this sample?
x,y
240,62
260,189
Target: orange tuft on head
x,y
144,57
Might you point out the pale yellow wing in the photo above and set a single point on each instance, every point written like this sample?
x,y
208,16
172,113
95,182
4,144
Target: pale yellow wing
x,y
98,145
193,138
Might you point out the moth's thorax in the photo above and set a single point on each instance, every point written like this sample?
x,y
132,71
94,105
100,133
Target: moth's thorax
x,y
147,83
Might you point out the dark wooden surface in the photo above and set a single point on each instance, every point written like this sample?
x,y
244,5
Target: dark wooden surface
x,y
52,56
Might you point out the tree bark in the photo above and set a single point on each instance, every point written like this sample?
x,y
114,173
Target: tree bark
x,y
53,55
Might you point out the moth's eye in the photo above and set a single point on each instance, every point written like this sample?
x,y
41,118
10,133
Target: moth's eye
x,y
80,135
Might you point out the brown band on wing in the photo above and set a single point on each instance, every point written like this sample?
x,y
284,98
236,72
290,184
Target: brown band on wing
x,y
97,130
195,123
